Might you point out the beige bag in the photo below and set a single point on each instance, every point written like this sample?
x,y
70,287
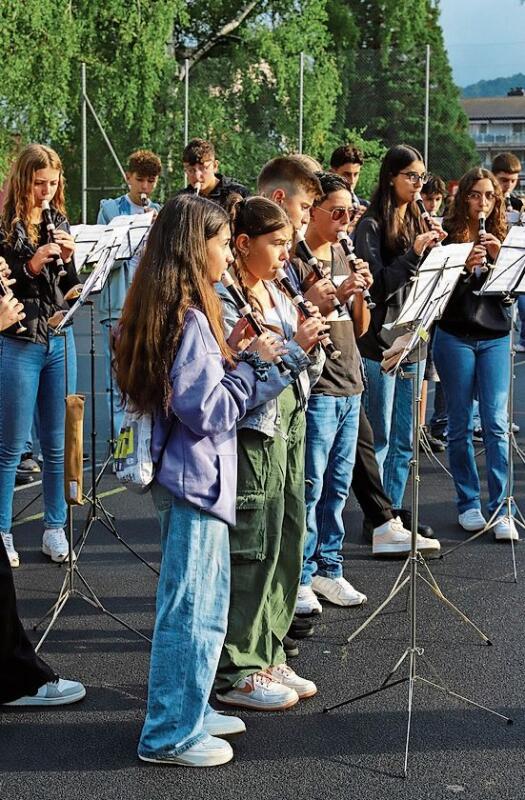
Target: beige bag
x,y
73,449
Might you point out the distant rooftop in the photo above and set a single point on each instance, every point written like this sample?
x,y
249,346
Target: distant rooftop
x,y
494,107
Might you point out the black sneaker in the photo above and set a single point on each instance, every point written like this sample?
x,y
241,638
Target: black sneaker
x,y
290,647
301,628
27,464
406,518
436,445
477,435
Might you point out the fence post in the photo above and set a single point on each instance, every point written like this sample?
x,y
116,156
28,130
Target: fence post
x,y
186,100
301,100
84,145
427,104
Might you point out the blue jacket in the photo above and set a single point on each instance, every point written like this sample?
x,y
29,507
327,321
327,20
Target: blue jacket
x,y
199,461
263,408
112,297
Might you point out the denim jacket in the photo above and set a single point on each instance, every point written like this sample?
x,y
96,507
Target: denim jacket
x,y
111,300
263,408
195,446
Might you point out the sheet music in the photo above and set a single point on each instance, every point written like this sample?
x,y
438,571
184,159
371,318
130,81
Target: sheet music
x,y
506,276
428,279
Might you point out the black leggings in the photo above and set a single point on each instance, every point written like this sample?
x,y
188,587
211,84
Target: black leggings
x,y
22,672
366,481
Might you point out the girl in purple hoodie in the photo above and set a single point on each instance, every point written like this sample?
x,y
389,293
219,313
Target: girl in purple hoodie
x,y
174,362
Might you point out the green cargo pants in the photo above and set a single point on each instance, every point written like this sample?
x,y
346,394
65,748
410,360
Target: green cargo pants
x,y
266,545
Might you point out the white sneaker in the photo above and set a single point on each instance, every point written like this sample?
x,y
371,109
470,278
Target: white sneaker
x,y
217,723
307,603
260,691
54,545
515,427
519,348
392,539
338,591
505,529
472,520
55,693
14,558
210,752
285,675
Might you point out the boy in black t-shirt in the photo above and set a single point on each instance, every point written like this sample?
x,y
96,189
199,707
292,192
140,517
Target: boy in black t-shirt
x,y
200,165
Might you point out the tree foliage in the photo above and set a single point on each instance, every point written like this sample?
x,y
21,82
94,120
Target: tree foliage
x,y
364,79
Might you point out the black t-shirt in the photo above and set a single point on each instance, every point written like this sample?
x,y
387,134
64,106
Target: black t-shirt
x,y
342,377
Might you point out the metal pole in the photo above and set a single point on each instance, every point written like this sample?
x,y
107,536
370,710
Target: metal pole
x,y
105,137
186,99
84,145
427,104
301,100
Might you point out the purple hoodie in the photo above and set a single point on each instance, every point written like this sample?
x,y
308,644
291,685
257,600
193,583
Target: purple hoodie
x,y
199,462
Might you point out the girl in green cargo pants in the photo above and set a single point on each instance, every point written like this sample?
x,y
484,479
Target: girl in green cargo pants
x,y
266,544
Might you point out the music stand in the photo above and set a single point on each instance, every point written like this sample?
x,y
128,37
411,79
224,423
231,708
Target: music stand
x,y
430,303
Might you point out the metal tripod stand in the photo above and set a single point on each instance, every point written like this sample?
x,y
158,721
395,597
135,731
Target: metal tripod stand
x,y
414,652
69,588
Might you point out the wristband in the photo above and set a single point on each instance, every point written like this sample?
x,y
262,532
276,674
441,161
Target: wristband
x,y
28,271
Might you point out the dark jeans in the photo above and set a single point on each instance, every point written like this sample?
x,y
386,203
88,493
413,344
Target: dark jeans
x,y
366,480
22,672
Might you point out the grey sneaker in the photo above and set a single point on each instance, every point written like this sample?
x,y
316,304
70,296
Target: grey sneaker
x,y
55,693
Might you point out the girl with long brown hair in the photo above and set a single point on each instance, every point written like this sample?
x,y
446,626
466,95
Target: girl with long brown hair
x,y
392,238
267,541
471,353
32,362
173,361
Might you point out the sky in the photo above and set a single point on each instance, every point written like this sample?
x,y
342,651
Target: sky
x,y
484,38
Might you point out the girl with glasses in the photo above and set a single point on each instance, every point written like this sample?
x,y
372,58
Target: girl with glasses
x,y
471,348
393,238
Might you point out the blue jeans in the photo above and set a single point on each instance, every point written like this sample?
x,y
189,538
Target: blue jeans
x,y
332,424
32,376
468,367
112,390
193,596
388,406
521,312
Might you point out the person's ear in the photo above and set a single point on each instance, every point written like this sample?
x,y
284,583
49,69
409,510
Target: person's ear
x,y
242,244
278,196
216,166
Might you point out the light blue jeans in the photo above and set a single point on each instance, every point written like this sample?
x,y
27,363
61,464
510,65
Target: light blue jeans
x,y
388,406
332,424
521,324
468,366
32,376
193,596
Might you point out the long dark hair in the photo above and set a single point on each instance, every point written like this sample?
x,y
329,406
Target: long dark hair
x,y
456,222
254,217
397,234
172,277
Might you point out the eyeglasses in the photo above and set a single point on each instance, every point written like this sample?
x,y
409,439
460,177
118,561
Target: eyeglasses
x,y
200,166
415,177
479,195
339,212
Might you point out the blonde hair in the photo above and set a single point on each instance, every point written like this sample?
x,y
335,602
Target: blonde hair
x,y
19,193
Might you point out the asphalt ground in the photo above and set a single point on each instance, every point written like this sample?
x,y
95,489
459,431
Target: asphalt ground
x,y
88,750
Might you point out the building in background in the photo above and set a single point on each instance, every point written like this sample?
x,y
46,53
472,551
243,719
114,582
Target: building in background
x,y
497,124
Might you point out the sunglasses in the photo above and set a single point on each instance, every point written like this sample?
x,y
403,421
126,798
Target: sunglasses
x,y
339,212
